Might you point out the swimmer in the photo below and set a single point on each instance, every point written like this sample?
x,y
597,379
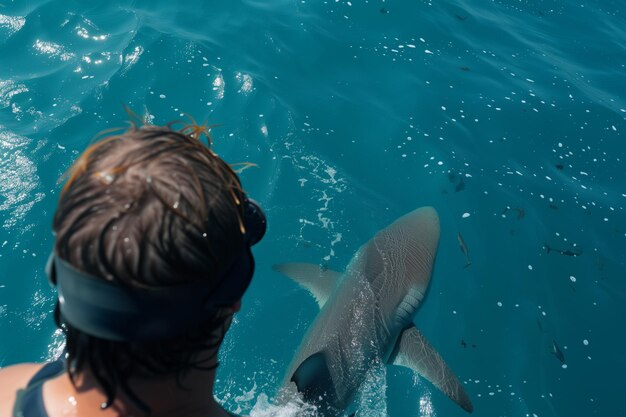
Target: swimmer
x,y
151,259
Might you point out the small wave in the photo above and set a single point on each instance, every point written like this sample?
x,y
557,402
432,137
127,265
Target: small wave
x,y
9,89
12,24
20,181
52,49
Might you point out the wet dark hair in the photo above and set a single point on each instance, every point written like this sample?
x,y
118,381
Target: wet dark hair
x,y
152,206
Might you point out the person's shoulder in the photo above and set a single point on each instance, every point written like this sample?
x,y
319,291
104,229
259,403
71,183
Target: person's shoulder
x,y
13,378
17,376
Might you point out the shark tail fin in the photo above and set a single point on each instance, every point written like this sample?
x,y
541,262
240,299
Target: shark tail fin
x,y
318,281
413,351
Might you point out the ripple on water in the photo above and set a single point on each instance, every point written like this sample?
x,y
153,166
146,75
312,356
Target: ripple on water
x,y
9,25
20,181
8,89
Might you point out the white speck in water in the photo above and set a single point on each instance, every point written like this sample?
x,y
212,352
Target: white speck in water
x,y
499,303
219,86
586,342
564,366
427,51
246,83
572,278
162,96
530,267
465,215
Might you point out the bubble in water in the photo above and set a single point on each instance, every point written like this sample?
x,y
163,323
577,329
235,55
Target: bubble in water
x,y
56,346
372,401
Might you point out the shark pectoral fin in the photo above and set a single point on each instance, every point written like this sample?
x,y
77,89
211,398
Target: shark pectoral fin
x,y
314,382
319,282
413,351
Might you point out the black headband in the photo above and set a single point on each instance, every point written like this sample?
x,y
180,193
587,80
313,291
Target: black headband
x,y
116,312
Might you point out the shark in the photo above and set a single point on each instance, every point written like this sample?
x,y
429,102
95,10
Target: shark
x,y
366,317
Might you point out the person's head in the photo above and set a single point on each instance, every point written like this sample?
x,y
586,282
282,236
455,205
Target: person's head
x,y
151,208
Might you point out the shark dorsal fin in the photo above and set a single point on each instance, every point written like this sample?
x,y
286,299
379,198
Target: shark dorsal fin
x,y
413,351
318,281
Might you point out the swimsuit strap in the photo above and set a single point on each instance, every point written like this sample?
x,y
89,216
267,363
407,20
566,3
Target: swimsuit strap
x,y
29,402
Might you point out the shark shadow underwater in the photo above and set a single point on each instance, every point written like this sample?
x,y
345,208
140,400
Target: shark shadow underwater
x,y
366,317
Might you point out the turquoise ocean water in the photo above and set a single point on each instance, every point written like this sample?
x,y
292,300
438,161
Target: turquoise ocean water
x,y
507,116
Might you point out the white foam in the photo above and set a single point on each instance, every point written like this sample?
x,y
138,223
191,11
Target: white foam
x,y
293,408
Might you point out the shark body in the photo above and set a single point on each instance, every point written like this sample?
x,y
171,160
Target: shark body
x,y
366,316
